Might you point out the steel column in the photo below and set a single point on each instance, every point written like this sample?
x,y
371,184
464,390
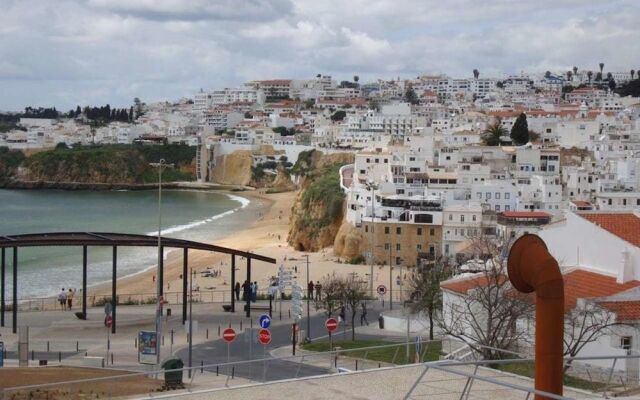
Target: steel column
x,y
233,283
84,281
15,290
114,279
2,282
184,285
249,293
161,271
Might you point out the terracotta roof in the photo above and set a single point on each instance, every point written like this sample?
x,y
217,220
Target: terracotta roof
x,y
525,214
462,286
626,226
624,310
580,203
581,284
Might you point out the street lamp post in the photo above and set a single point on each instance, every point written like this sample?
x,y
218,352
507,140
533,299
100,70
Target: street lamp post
x,y
193,275
372,187
160,165
308,301
390,279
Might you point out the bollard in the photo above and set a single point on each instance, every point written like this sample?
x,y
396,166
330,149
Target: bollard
x,y
112,359
217,371
172,336
59,356
77,346
163,340
135,343
47,346
218,330
33,355
233,372
86,353
201,366
289,313
356,365
207,337
240,324
378,365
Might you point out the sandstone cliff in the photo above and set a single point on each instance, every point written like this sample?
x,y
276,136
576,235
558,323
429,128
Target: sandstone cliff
x,y
349,242
318,211
233,169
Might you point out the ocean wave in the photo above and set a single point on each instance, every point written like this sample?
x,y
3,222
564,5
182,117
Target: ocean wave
x,y
244,202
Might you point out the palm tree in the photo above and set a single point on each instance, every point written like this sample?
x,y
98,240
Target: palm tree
x,y
633,72
601,67
547,74
356,78
491,135
589,75
569,74
476,73
575,70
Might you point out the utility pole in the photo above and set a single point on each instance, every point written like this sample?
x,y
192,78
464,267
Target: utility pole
x,y
372,187
308,301
193,275
160,165
390,279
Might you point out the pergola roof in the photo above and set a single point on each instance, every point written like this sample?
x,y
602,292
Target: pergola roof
x,y
115,239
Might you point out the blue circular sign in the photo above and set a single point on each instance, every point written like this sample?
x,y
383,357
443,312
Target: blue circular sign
x,y
264,321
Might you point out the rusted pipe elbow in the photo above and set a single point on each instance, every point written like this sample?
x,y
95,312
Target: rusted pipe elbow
x,y
532,269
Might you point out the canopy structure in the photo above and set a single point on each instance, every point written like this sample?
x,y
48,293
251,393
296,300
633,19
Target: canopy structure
x,y
113,240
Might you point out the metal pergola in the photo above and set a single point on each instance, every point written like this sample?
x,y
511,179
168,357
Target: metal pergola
x,y
114,240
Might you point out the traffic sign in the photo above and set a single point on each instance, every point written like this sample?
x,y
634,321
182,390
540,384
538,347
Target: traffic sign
x,y
331,324
264,321
1,354
229,335
108,308
108,321
264,336
382,289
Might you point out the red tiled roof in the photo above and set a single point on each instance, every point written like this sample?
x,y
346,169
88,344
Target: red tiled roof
x,y
624,310
580,203
525,214
581,284
462,286
626,226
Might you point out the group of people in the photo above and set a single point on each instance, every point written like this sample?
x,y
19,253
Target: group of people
x,y
342,315
317,288
65,298
249,291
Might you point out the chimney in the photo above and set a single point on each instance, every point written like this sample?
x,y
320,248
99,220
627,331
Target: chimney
x,y
625,272
532,269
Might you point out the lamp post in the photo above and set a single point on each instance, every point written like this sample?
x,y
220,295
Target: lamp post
x,y
308,301
390,277
372,187
193,275
160,165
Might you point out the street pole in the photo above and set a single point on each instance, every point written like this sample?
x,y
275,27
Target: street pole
x,y
160,165
193,275
373,237
308,302
390,279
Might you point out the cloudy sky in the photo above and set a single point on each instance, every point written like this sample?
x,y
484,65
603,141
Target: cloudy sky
x,y
68,52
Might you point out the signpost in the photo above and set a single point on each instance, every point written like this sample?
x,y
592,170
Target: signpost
x,y
1,354
382,290
331,324
108,322
148,347
264,337
229,335
296,302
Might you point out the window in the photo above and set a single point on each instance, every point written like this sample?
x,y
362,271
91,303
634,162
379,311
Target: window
x,y
397,246
446,249
377,160
507,208
366,228
386,160
432,232
462,218
497,207
450,217
497,195
625,342
386,230
473,218
488,195
624,202
398,230
479,195
419,231
609,202
419,247
507,196
398,260
386,246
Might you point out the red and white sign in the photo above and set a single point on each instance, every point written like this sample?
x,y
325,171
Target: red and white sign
x,y
229,335
108,321
331,324
264,336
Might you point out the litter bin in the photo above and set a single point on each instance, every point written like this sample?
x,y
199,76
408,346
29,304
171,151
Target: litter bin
x,y
381,322
173,379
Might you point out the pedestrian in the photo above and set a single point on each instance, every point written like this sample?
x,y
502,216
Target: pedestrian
x,y
245,290
295,268
318,288
70,298
363,315
310,290
254,293
342,315
62,299
237,290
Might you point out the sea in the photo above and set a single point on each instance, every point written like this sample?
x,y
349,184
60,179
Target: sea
x,y
43,271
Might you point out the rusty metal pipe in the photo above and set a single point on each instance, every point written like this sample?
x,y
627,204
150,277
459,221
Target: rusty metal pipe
x,y
532,269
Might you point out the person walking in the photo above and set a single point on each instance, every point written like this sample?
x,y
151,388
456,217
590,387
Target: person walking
x,y
310,290
254,294
245,290
363,315
237,290
342,316
70,298
318,289
62,299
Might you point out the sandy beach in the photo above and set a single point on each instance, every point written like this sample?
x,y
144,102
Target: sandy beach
x,y
266,236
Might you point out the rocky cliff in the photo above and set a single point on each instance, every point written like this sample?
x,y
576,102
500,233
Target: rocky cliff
x,y
233,169
349,242
318,210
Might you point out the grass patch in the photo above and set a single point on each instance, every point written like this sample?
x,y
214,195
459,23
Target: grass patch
x,y
527,369
396,354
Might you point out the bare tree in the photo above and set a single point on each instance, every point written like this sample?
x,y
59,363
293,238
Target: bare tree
x,y
584,324
424,285
486,316
341,291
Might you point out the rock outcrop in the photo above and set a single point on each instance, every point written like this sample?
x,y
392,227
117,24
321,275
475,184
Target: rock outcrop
x,y
234,168
349,242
